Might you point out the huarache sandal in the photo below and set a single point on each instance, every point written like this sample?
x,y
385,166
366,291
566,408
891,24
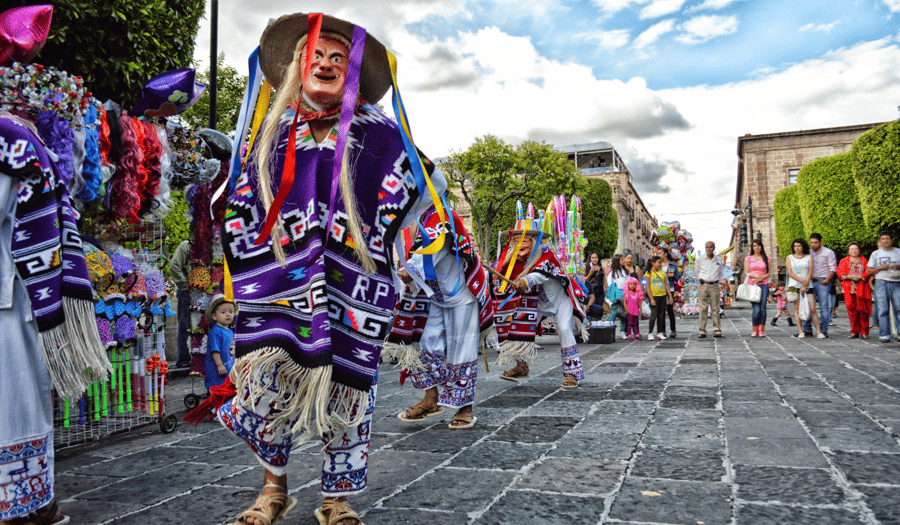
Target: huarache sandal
x,y
419,412
570,382
49,514
516,372
262,508
334,511
462,421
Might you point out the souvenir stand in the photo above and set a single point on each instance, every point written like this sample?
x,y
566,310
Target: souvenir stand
x,y
120,170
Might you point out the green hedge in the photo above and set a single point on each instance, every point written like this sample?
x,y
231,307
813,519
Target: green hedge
x,y
829,203
788,222
598,218
876,170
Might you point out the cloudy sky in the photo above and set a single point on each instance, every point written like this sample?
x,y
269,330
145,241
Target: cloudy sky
x,y
671,84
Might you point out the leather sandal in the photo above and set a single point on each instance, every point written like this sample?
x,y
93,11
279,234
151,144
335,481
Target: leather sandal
x,y
419,412
462,421
570,382
262,508
49,514
333,511
516,372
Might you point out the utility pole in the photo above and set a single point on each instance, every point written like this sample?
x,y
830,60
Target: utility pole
x,y
213,61
750,211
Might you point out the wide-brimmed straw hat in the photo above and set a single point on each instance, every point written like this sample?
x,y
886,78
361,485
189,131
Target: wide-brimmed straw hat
x,y
276,51
527,226
216,301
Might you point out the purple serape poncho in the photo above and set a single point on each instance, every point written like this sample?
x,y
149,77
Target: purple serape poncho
x,y
320,320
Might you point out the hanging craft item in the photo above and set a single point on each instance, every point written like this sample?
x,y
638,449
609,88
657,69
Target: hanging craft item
x,y
169,94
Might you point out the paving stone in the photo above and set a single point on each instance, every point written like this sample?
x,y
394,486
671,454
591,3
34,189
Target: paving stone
x,y
499,455
804,486
144,461
638,395
535,429
66,463
510,401
679,416
630,407
831,419
755,514
529,390
165,483
596,446
452,489
679,463
858,440
676,390
763,396
689,402
441,440
630,384
683,436
582,476
496,417
613,423
757,410
776,452
743,427
204,505
70,485
832,405
85,511
863,467
883,501
411,516
667,501
561,408
536,508
882,411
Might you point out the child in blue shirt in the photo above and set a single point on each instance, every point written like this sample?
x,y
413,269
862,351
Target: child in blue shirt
x,y
218,342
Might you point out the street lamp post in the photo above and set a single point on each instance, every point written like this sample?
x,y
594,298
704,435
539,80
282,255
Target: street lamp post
x,y
213,63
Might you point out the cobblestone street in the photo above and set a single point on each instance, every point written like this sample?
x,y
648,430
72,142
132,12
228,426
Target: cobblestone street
x,y
683,431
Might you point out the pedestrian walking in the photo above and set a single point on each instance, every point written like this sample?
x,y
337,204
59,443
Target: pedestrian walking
x,y
659,295
449,323
824,265
709,273
673,275
800,266
781,305
310,262
854,276
884,265
758,266
179,269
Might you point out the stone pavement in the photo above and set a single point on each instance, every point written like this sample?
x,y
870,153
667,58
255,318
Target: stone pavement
x,y
684,431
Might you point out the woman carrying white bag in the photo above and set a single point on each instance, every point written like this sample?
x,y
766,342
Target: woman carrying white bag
x,y
799,270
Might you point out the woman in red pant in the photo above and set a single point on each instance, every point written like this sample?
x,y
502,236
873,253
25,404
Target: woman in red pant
x,y
857,293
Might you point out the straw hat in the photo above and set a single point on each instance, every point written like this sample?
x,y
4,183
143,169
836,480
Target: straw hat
x,y
276,51
525,225
216,301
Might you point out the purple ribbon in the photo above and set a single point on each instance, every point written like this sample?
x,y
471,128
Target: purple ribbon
x,y
348,108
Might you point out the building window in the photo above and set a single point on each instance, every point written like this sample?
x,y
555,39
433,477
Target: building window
x,y
792,176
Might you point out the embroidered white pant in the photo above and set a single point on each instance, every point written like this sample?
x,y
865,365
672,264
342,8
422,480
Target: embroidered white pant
x,y
449,347
346,455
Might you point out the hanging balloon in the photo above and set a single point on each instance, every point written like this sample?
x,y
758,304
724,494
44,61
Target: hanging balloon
x,y
654,238
688,238
675,225
674,254
520,213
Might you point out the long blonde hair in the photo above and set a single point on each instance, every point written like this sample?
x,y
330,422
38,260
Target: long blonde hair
x,y
288,95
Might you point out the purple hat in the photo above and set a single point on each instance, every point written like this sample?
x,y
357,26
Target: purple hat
x,y
23,32
168,94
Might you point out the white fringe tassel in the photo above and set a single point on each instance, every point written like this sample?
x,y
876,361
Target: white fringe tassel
x,y
73,352
309,395
512,352
409,356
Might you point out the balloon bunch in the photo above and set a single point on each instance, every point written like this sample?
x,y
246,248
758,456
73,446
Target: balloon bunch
x,y
678,241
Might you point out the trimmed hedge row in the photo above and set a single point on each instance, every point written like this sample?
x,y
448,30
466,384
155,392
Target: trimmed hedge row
x,y
829,203
788,222
876,170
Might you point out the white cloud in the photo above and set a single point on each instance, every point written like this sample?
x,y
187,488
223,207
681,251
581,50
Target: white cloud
x,y
658,8
824,28
706,27
653,33
614,6
606,39
893,5
711,5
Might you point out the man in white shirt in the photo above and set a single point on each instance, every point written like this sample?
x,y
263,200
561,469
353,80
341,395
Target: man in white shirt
x,y
709,273
884,265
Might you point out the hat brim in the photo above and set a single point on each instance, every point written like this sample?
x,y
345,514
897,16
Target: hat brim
x,y
276,52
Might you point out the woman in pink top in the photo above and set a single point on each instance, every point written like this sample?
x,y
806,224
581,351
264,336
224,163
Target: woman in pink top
x,y
757,265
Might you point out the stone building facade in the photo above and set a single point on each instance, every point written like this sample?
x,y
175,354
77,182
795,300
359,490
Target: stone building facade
x,y
600,160
770,162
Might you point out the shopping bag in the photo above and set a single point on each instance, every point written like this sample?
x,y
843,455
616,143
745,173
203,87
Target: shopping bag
x,y
645,310
803,309
749,292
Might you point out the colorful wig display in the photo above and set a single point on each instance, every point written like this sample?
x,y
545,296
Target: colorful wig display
x,y
124,198
153,154
90,167
57,135
164,193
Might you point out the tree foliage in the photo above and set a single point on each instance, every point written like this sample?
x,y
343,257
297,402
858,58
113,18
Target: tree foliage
x,y
788,221
829,203
229,95
491,175
177,223
117,46
876,170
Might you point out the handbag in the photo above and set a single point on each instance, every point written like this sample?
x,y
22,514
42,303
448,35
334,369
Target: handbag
x,y
803,312
748,292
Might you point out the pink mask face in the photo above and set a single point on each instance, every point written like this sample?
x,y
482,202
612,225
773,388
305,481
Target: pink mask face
x,y
23,32
328,72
